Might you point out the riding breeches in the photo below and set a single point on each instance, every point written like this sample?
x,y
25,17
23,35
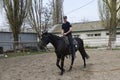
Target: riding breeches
x,y
72,47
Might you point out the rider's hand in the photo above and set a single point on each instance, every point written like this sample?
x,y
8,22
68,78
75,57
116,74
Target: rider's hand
x,y
65,34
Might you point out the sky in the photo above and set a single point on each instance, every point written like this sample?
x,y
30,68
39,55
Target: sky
x,y
88,11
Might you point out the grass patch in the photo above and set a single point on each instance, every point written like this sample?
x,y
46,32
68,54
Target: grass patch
x,y
87,47
9,55
116,49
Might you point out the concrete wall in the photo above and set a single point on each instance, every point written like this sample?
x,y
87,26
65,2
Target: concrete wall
x,y
97,41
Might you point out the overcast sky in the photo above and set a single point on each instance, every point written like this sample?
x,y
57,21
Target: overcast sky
x,y
88,11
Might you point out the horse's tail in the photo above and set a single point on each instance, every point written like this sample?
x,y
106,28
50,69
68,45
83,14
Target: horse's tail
x,y
82,49
87,56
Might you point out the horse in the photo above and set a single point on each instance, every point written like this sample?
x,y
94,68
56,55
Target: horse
x,y
62,49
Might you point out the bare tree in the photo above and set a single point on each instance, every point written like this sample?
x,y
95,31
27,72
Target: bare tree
x,y
57,11
39,16
104,14
16,11
1,5
47,14
109,15
34,16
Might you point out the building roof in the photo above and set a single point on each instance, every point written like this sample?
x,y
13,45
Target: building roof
x,y
94,25
83,27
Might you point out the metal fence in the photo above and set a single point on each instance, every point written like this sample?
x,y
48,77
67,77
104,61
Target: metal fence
x,y
97,42
21,46
33,46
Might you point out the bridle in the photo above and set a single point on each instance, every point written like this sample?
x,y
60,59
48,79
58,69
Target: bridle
x,y
45,40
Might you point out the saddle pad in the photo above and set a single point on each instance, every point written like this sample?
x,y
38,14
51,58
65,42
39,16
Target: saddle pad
x,y
75,42
66,40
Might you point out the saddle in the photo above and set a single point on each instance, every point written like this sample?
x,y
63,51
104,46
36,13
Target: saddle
x,y
66,40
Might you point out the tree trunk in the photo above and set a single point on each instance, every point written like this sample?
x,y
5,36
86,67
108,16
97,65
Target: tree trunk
x,y
112,37
57,11
113,25
15,43
16,12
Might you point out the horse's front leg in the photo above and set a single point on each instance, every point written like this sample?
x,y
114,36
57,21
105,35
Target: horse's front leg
x,y
72,61
62,66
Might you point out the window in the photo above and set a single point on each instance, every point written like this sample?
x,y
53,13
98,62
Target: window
x,y
76,36
94,35
118,33
107,33
90,35
98,34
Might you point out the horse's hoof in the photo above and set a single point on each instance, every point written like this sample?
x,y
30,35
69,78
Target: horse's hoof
x,y
84,66
63,70
87,57
69,70
61,73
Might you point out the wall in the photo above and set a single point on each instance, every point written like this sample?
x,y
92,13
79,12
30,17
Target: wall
x,y
5,41
97,41
25,39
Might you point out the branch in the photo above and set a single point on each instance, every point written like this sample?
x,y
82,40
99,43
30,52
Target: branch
x,y
118,8
107,3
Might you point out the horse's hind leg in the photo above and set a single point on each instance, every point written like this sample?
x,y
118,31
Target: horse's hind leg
x,y
72,61
83,53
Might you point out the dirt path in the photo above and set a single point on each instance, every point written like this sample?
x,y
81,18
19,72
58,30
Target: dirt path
x,y
102,65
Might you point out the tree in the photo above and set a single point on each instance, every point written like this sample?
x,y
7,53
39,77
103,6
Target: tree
x,y
57,11
16,12
47,14
109,15
35,15
104,14
39,16
1,5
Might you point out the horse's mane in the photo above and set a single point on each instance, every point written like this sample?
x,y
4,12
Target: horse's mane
x,y
55,36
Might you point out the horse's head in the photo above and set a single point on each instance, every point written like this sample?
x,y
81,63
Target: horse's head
x,y
45,39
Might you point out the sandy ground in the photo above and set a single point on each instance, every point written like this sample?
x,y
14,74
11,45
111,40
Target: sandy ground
x,y
102,65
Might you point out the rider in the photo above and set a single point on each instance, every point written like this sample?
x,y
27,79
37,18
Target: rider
x,y
67,31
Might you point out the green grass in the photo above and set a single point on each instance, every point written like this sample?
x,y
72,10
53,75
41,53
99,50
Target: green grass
x,y
23,54
87,47
116,49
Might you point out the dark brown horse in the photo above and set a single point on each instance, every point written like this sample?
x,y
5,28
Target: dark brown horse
x,y
62,49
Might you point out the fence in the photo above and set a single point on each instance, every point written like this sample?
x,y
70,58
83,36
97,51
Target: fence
x,y
21,46
99,42
96,42
33,46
